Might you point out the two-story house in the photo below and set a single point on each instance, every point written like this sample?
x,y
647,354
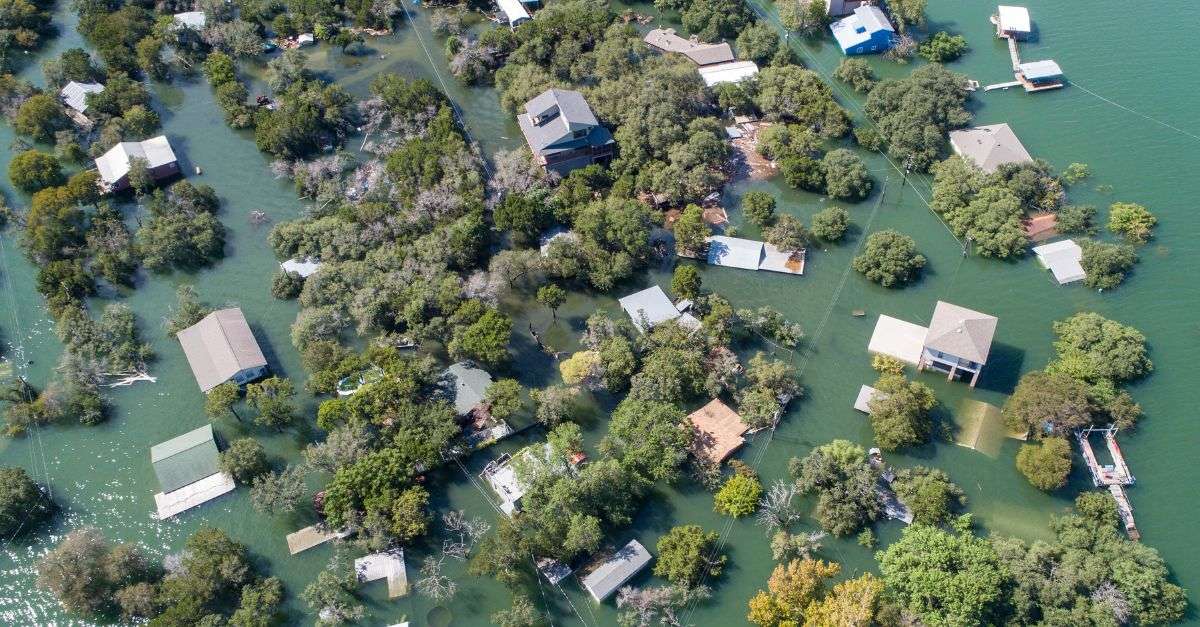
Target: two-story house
x,y
958,341
563,133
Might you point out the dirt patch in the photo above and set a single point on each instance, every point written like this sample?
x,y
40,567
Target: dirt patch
x,y
745,160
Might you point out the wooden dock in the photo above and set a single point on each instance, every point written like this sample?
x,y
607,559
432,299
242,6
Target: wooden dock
x,y
1114,476
311,536
387,565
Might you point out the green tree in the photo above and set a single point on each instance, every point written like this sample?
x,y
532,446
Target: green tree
x,y
1105,264
1046,465
794,94
914,114
907,13
503,398
23,504
943,578
942,47
685,282
1076,220
890,259
244,460
738,496
1132,221
691,231
846,175
1048,402
830,224
648,439
844,483
552,297
757,42
687,554
788,234
900,415
272,399
929,493
278,492
522,613
485,340
259,605
806,17
32,171
410,515
554,404
759,208
1095,349
220,400
39,117
85,572
857,73
1075,173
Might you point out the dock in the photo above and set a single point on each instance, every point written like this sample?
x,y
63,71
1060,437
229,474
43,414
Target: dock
x,y
387,565
310,537
1032,77
893,508
1113,476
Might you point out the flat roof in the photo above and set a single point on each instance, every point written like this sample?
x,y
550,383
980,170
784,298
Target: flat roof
x,y
1014,19
898,338
652,304
620,568
1063,260
728,72
1035,70
734,252
513,10
168,504
866,394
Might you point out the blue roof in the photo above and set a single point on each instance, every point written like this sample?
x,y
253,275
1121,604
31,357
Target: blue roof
x,y
860,26
1037,70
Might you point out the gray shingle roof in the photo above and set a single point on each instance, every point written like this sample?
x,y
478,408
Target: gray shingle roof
x,y
552,115
699,53
185,459
620,568
467,384
961,332
989,147
220,346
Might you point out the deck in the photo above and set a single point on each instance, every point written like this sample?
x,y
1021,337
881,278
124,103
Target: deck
x,y
310,537
388,565
1114,476
866,394
897,338
173,503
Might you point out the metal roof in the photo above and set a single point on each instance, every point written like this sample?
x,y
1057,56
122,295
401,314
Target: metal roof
x,y
191,19
468,385
114,164
185,459
961,332
1014,19
859,26
513,11
652,304
74,94
728,72
1035,70
989,147
1062,258
734,252
220,346
620,568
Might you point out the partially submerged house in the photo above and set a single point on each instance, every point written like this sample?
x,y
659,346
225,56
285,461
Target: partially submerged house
x,y
602,582
1063,260
466,387
74,94
651,307
221,347
866,31
188,472
989,147
115,164
503,476
731,72
1013,22
719,431
700,53
748,254
563,133
957,340
513,12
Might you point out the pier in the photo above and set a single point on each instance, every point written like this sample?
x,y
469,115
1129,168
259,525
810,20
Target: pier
x,y
1113,476
1012,25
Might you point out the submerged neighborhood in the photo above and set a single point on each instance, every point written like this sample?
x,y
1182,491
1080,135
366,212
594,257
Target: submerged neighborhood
x,y
552,312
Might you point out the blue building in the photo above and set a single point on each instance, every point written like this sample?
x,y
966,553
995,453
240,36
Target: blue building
x,y
866,31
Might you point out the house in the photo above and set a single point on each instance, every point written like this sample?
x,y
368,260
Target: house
x,y
1013,22
731,72
702,54
866,31
74,94
959,340
195,20
748,254
651,307
466,384
1037,75
502,475
617,570
188,472
838,8
563,133
1063,260
719,431
222,348
989,147
514,12
114,165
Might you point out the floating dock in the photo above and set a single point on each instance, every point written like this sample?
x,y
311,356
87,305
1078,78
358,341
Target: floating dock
x,y
1113,476
310,537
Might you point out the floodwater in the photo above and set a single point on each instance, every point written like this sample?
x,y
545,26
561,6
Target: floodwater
x,y
1126,113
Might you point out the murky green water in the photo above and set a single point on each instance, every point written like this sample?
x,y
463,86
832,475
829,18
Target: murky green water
x,y
1116,55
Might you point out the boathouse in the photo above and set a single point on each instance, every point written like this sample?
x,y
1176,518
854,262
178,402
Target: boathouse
x,y
989,147
617,570
221,347
74,94
866,31
719,431
651,307
387,565
700,53
188,472
959,340
1063,260
563,133
1013,22
1039,75
114,165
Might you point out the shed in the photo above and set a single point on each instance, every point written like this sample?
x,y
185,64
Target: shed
x,y
731,72
188,471
719,431
114,165
1014,21
865,31
989,147
1040,71
734,252
467,384
514,12
195,20
1062,259
305,267
649,306
617,570
221,347
74,94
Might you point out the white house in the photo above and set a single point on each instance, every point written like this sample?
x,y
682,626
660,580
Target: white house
x,y
651,307
114,165
959,340
1063,260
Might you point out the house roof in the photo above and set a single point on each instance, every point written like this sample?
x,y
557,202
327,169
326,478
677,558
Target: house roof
x,y
191,19
468,385
652,304
114,164
961,332
513,11
699,53
734,252
989,147
220,346
858,27
720,431
304,267
1062,258
556,113
185,459
74,94
1014,19
898,338
620,568
731,72
1035,70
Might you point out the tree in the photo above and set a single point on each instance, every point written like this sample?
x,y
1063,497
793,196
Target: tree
x,y
738,497
410,516
788,234
806,17
244,460
85,572
839,475
687,555
644,607
791,590
907,13
890,259
942,47
757,42
900,414
552,297
39,117
830,224
582,367
1075,173
794,94
278,492
648,439
272,398
846,175
1076,220
1132,221
32,170
220,400
914,114
1046,465
503,398
943,578
1095,349
1048,402
857,73
329,596
259,605
521,613
485,340
1105,264
691,231
23,503
759,208
554,404
851,602
685,281
929,493
188,312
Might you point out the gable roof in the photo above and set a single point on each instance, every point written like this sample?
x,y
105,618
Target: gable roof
x,y
555,114
114,164
513,11
858,27
699,53
1063,259
185,459
220,346
1014,19
651,303
74,94
961,332
467,384
720,430
1035,70
989,147
620,568
734,252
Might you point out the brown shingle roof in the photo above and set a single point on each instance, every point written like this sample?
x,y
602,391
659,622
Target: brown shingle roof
x,y
961,332
719,431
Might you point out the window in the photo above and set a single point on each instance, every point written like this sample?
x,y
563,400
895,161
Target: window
x,y
860,29
579,133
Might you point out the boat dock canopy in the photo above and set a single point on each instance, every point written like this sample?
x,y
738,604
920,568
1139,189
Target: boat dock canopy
x,y
1014,19
620,568
188,470
1040,70
1062,259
